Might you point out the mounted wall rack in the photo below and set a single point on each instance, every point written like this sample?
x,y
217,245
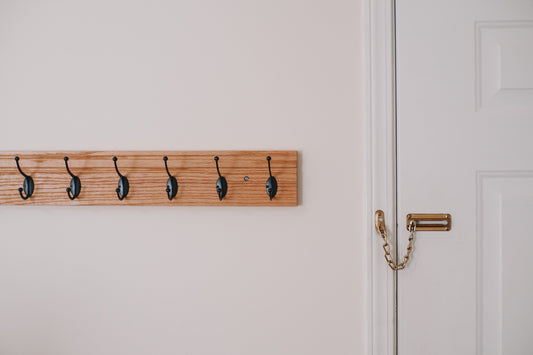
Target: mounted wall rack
x,y
149,178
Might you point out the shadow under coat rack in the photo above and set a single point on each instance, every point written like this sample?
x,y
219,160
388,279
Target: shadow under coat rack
x,y
149,178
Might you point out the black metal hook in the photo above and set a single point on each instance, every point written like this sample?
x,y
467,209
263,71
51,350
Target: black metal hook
x,y
75,183
271,184
172,183
222,184
28,185
123,183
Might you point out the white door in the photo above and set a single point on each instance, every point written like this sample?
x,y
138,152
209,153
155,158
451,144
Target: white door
x,y
465,147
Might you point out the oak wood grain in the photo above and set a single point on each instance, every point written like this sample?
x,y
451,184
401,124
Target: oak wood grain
x,y
195,171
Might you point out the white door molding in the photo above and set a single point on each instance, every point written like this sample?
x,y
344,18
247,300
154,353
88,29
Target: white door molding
x,y
381,181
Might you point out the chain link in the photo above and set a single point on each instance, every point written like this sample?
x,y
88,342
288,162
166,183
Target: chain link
x,y
386,247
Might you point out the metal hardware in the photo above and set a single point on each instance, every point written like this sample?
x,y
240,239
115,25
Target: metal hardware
x,y
28,185
123,183
379,223
222,184
271,184
172,183
430,221
75,183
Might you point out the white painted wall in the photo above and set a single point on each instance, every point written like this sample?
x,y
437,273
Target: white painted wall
x,y
187,75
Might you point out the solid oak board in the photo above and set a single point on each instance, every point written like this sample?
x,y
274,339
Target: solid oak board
x,y
195,171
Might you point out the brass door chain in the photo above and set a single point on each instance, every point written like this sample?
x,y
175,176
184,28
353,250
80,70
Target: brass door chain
x,y
382,230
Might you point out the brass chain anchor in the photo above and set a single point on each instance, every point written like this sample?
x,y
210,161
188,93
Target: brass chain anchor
x,y
382,230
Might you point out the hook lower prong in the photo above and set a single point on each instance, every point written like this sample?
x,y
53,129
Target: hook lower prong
x,y
120,197
22,195
69,193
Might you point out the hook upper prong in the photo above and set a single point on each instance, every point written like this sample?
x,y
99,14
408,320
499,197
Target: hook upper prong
x,y
66,165
116,168
166,166
218,170
18,167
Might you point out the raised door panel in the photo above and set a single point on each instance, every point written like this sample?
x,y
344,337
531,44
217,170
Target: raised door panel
x,y
505,283
503,64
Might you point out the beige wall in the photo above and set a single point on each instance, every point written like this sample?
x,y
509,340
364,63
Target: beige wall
x,y
187,75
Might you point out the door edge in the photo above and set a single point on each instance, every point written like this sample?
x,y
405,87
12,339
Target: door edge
x,y
381,172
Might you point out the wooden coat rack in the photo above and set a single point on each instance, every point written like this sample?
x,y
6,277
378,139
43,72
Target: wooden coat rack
x,y
246,173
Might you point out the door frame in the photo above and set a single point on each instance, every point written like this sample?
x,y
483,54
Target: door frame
x,y
381,170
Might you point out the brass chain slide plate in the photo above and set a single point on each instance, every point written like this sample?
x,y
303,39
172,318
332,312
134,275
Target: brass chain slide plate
x,y
430,221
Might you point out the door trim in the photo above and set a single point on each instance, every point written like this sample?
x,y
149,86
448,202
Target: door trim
x,y
381,168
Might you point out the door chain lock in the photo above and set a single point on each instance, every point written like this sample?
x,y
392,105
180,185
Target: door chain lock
x,y
415,221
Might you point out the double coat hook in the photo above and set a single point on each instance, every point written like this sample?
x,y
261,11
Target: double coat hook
x,y
123,183
28,185
222,184
271,184
75,183
172,183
